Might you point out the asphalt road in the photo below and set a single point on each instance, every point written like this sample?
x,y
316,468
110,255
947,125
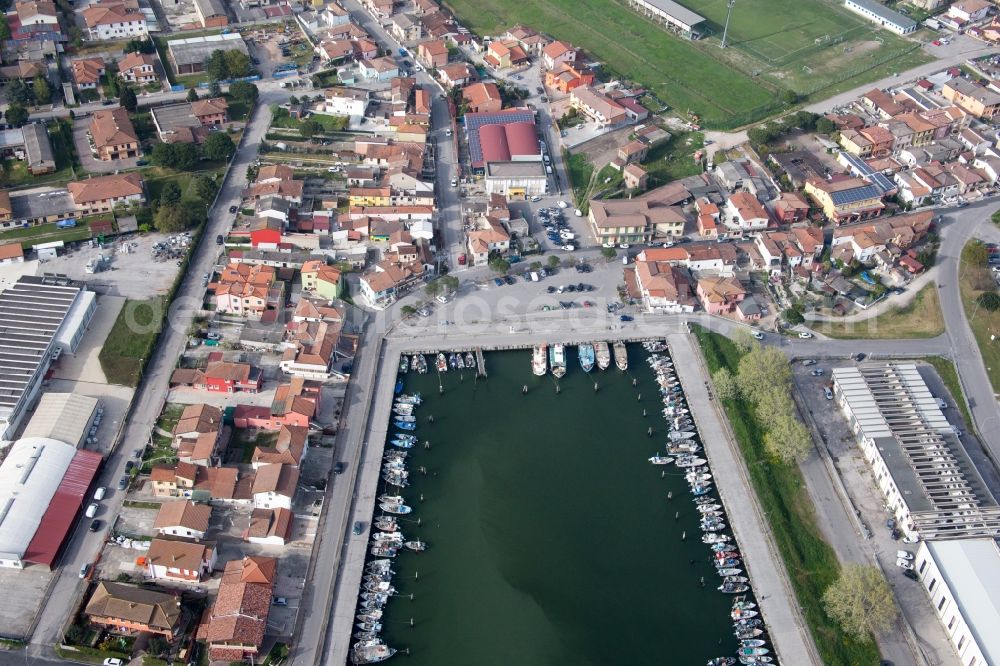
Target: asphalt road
x,y
151,394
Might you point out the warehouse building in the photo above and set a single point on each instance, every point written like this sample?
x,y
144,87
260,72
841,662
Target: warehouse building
x,y
189,55
43,485
961,579
65,417
882,16
41,317
929,483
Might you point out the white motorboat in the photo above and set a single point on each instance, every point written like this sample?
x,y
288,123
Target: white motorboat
x,y
557,359
675,435
539,360
690,461
399,509
603,354
660,460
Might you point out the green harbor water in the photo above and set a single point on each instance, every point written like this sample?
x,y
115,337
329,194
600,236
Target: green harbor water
x,y
551,538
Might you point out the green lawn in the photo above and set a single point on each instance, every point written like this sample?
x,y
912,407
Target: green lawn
x,y
131,340
674,159
280,118
984,323
949,375
810,562
580,170
920,318
45,233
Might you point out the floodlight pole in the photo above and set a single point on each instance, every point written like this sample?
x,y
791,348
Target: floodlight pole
x,y
729,14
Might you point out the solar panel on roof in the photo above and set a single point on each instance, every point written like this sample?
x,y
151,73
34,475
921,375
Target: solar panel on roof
x,y
855,194
473,121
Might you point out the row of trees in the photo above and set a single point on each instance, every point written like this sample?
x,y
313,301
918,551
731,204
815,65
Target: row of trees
x,y
175,213
223,65
801,121
764,379
218,147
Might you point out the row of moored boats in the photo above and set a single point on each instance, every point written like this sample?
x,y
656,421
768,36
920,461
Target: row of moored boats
x,y
545,357
683,449
442,362
387,539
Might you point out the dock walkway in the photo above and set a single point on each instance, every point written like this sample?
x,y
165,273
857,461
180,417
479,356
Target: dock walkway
x,y
786,627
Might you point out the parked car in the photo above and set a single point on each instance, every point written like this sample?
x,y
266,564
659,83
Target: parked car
x,y
625,318
859,357
95,525
568,247
757,335
123,483
904,555
219,240
91,510
280,601
84,570
214,336
562,204
359,527
99,493
805,335
233,209
911,574
112,661
904,564
498,282
818,372
828,393
809,361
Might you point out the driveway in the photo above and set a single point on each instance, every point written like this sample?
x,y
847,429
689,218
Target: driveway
x,y
87,159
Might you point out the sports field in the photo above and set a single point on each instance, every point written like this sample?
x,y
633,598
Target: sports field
x,y
806,46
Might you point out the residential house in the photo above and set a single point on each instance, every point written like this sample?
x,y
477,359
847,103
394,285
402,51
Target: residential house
x,y
266,232
746,213
311,348
291,406
11,253
183,518
708,218
34,20
457,75
715,258
378,69
380,9
602,109
635,177
881,140
790,207
489,237
856,143
881,103
566,78
129,609
138,68
863,241
269,527
973,98
87,72
289,448
661,286
114,19
405,29
321,279
482,97
179,560
636,220
177,481
810,242
720,295
558,53
778,249
381,285
274,486
845,200
237,621
211,112
212,13
113,136
528,39
247,290
101,194
226,377
502,55
433,54
633,151
198,434
970,11
341,101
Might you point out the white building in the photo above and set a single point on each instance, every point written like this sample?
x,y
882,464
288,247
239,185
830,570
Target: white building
x,y
40,318
516,179
351,102
930,485
109,19
66,417
274,487
961,579
882,16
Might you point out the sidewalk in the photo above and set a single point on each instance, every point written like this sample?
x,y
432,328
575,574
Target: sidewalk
x,y
779,608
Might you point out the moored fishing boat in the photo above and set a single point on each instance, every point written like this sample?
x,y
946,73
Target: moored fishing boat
x,y
420,363
417,546
539,360
731,571
452,361
409,399
460,361
398,509
733,588
405,418
586,353
621,356
405,426
386,523
660,460
370,651
603,354
442,363
402,443
404,363
557,359
470,360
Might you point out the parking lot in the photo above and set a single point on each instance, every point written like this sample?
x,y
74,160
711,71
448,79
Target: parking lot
x,y
24,590
132,272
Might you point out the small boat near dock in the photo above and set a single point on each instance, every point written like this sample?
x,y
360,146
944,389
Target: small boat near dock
x,y
586,353
603,354
539,361
621,355
557,359
442,363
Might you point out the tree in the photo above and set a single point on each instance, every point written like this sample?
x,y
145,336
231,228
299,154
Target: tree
x,y
861,601
171,219
4,28
244,91
408,310
609,253
139,46
975,254
112,84
744,340
499,265
128,99
215,65
218,147
205,188
310,128
42,91
214,89
192,95
762,369
17,114
185,156
170,195
433,288
293,101
237,64
725,385
450,282
789,97
787,438
989,300
553,261
825,126
18,93
793,316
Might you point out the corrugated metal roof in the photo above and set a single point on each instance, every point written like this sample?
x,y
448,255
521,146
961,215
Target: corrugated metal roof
x,y
62,416
62,509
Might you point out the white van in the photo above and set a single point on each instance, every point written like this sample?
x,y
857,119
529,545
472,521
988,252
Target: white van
x,y
534,276
91,510
99,493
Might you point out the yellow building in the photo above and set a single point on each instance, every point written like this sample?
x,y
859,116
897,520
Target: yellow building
x,y
370,196
847,199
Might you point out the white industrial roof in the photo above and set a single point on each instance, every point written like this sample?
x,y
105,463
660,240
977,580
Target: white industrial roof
x,y
65,417
29,477
970,568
